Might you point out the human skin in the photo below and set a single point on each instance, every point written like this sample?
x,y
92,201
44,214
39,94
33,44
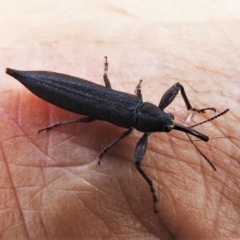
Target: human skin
x,y
51,185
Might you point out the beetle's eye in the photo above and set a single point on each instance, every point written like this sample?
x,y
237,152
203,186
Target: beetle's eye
x,y
167,128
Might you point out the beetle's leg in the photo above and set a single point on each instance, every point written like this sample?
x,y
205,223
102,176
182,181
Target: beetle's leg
x,y
170,95
123,135
105,76
139,154
138,90
57,124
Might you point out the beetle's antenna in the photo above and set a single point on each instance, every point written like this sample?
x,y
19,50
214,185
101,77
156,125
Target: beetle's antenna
x,y
210,119
210,163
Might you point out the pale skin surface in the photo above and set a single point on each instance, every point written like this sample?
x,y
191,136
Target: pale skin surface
x,y
50,184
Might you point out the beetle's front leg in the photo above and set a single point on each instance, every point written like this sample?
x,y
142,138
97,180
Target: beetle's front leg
x,y
172,92
139,154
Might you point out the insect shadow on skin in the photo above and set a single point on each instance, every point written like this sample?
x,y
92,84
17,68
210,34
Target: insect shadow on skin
x,y
118,108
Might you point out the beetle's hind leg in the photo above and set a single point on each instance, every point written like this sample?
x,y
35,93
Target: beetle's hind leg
x,y
57,124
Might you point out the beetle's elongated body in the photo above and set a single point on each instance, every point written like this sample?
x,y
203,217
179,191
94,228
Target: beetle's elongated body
x,y
98,102
103,103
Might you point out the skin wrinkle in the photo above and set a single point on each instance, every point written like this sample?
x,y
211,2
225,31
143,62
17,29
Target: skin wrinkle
x,y
213,149
59,189
185,176
107,210
24,134
225,192
96,216
56,212
175,152
35,193
181,159
43,225
215,217
36,147
124,195
125,226
99,190
82,204
68,138
220,201
15,193
227,37
232,139
52,145
152,147
51,113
